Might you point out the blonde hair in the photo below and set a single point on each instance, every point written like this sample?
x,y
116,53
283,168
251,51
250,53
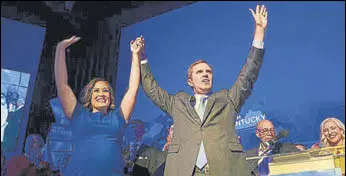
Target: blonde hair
x,y
324,141
85,96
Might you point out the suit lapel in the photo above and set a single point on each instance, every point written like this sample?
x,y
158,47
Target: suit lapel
x,y
209,107
193,114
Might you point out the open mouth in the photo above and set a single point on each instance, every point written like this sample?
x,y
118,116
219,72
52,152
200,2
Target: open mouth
x,y
332,136
101,99
269,138
205,80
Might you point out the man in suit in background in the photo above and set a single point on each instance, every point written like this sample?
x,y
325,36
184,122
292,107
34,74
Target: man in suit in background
x,y
131,151
141,159
204,140
160,171
265,131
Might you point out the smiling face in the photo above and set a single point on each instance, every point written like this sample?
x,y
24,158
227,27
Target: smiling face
x,y
100,98
332,132
200,78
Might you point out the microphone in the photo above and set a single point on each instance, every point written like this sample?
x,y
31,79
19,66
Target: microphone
x,y
282,134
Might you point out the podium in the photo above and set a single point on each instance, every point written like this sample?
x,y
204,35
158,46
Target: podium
x,y
325,161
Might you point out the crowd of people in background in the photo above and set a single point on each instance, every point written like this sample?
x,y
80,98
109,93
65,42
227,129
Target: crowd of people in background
x,y
11,101
31,162
201,141
332,134
12,108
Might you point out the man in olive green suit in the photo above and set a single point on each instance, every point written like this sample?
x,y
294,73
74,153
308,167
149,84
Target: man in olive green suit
x,y
205,141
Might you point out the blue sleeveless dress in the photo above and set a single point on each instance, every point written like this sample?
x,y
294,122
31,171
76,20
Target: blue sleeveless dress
x,y
97,140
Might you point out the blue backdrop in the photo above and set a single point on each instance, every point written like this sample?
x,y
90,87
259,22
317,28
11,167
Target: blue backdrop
x,y
302,79
21,46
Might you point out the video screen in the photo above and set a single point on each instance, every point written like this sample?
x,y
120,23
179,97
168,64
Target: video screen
x,y
14,87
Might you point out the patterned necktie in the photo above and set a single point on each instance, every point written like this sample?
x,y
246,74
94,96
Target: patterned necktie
x,y
202,157
201,107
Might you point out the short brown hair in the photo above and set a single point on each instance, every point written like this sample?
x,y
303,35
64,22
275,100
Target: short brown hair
x,y
189,71
85,95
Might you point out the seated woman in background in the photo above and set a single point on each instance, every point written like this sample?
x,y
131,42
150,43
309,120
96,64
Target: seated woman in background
x,y
30,163
332,133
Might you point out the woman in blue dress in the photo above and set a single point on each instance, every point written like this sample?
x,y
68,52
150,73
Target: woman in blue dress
x,y
97,127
